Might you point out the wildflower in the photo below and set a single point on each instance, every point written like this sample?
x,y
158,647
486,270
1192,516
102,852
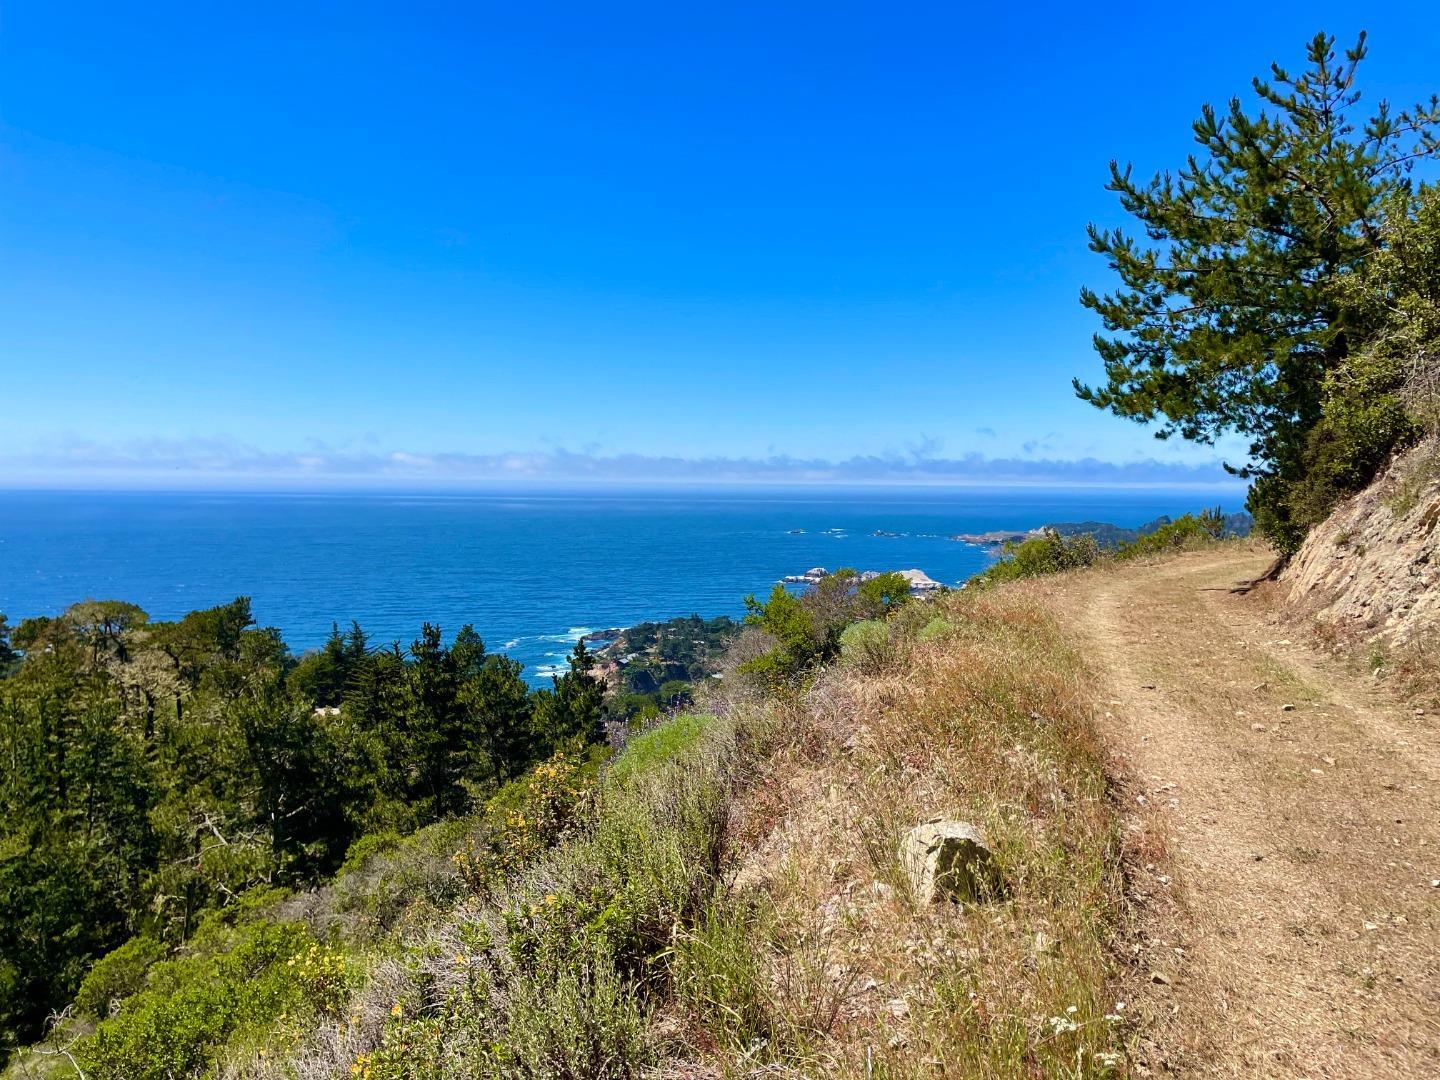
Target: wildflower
x,y
551,899
398,1010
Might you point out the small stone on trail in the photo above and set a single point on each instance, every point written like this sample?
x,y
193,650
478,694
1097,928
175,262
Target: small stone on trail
x,y
1287,708
1371,926
1147,686
1257,727
1160,977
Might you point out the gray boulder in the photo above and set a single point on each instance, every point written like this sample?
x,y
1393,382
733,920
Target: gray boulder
x,y
949,860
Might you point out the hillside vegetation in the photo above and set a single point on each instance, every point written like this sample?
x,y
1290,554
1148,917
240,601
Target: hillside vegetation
x,y
1054,550
162,775
725,894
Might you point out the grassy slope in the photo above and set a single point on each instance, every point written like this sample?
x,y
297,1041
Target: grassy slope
x,y
729,897
988,719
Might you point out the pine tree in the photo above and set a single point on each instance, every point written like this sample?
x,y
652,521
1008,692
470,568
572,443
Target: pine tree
x,y
1229,316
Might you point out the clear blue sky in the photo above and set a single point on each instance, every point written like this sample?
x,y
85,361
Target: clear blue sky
x,y
262,239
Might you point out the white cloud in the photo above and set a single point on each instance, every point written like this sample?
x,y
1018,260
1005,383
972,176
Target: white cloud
x,y
228,462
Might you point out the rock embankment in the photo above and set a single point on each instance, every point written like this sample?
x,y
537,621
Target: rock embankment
x,y
1373,566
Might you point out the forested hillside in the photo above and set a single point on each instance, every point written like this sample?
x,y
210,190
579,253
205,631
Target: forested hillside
x,y
158,771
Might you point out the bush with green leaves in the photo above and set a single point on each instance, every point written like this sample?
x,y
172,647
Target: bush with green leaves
x,y
661,743
556,970
937,629
1183,534
253,983
866,645
117,975
804,631
1054,553
720,974
1048,553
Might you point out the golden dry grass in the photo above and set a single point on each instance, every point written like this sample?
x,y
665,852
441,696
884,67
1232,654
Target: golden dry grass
x,y
990,722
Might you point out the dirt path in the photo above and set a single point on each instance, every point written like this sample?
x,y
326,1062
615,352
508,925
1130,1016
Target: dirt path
x,y
1295,907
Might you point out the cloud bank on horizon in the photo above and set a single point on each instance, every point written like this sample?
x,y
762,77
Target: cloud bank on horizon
x,y
228,462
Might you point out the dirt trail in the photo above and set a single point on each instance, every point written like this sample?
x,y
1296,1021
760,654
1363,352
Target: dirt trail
x,y
1296,916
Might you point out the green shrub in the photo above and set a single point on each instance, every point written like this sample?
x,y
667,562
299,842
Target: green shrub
x,y
564,986
660,743
526,817
367,847
804,631
117,975
268,973
865,645
386,874
720,974
1048,553
936,629
578,1019
1182,534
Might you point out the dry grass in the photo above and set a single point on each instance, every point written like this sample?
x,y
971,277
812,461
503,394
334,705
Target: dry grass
x,y
991,723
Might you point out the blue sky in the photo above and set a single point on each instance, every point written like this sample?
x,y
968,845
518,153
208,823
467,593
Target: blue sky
x,y
315,243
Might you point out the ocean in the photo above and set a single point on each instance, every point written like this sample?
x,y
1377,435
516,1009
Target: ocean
x,y
531,572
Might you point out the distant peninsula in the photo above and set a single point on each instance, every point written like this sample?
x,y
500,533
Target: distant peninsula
x,y
1106,534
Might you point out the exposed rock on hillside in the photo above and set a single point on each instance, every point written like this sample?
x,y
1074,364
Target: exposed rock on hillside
x,y
948,860
1374,565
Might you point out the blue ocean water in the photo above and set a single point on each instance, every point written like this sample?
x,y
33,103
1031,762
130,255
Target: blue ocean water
x,y
531,572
